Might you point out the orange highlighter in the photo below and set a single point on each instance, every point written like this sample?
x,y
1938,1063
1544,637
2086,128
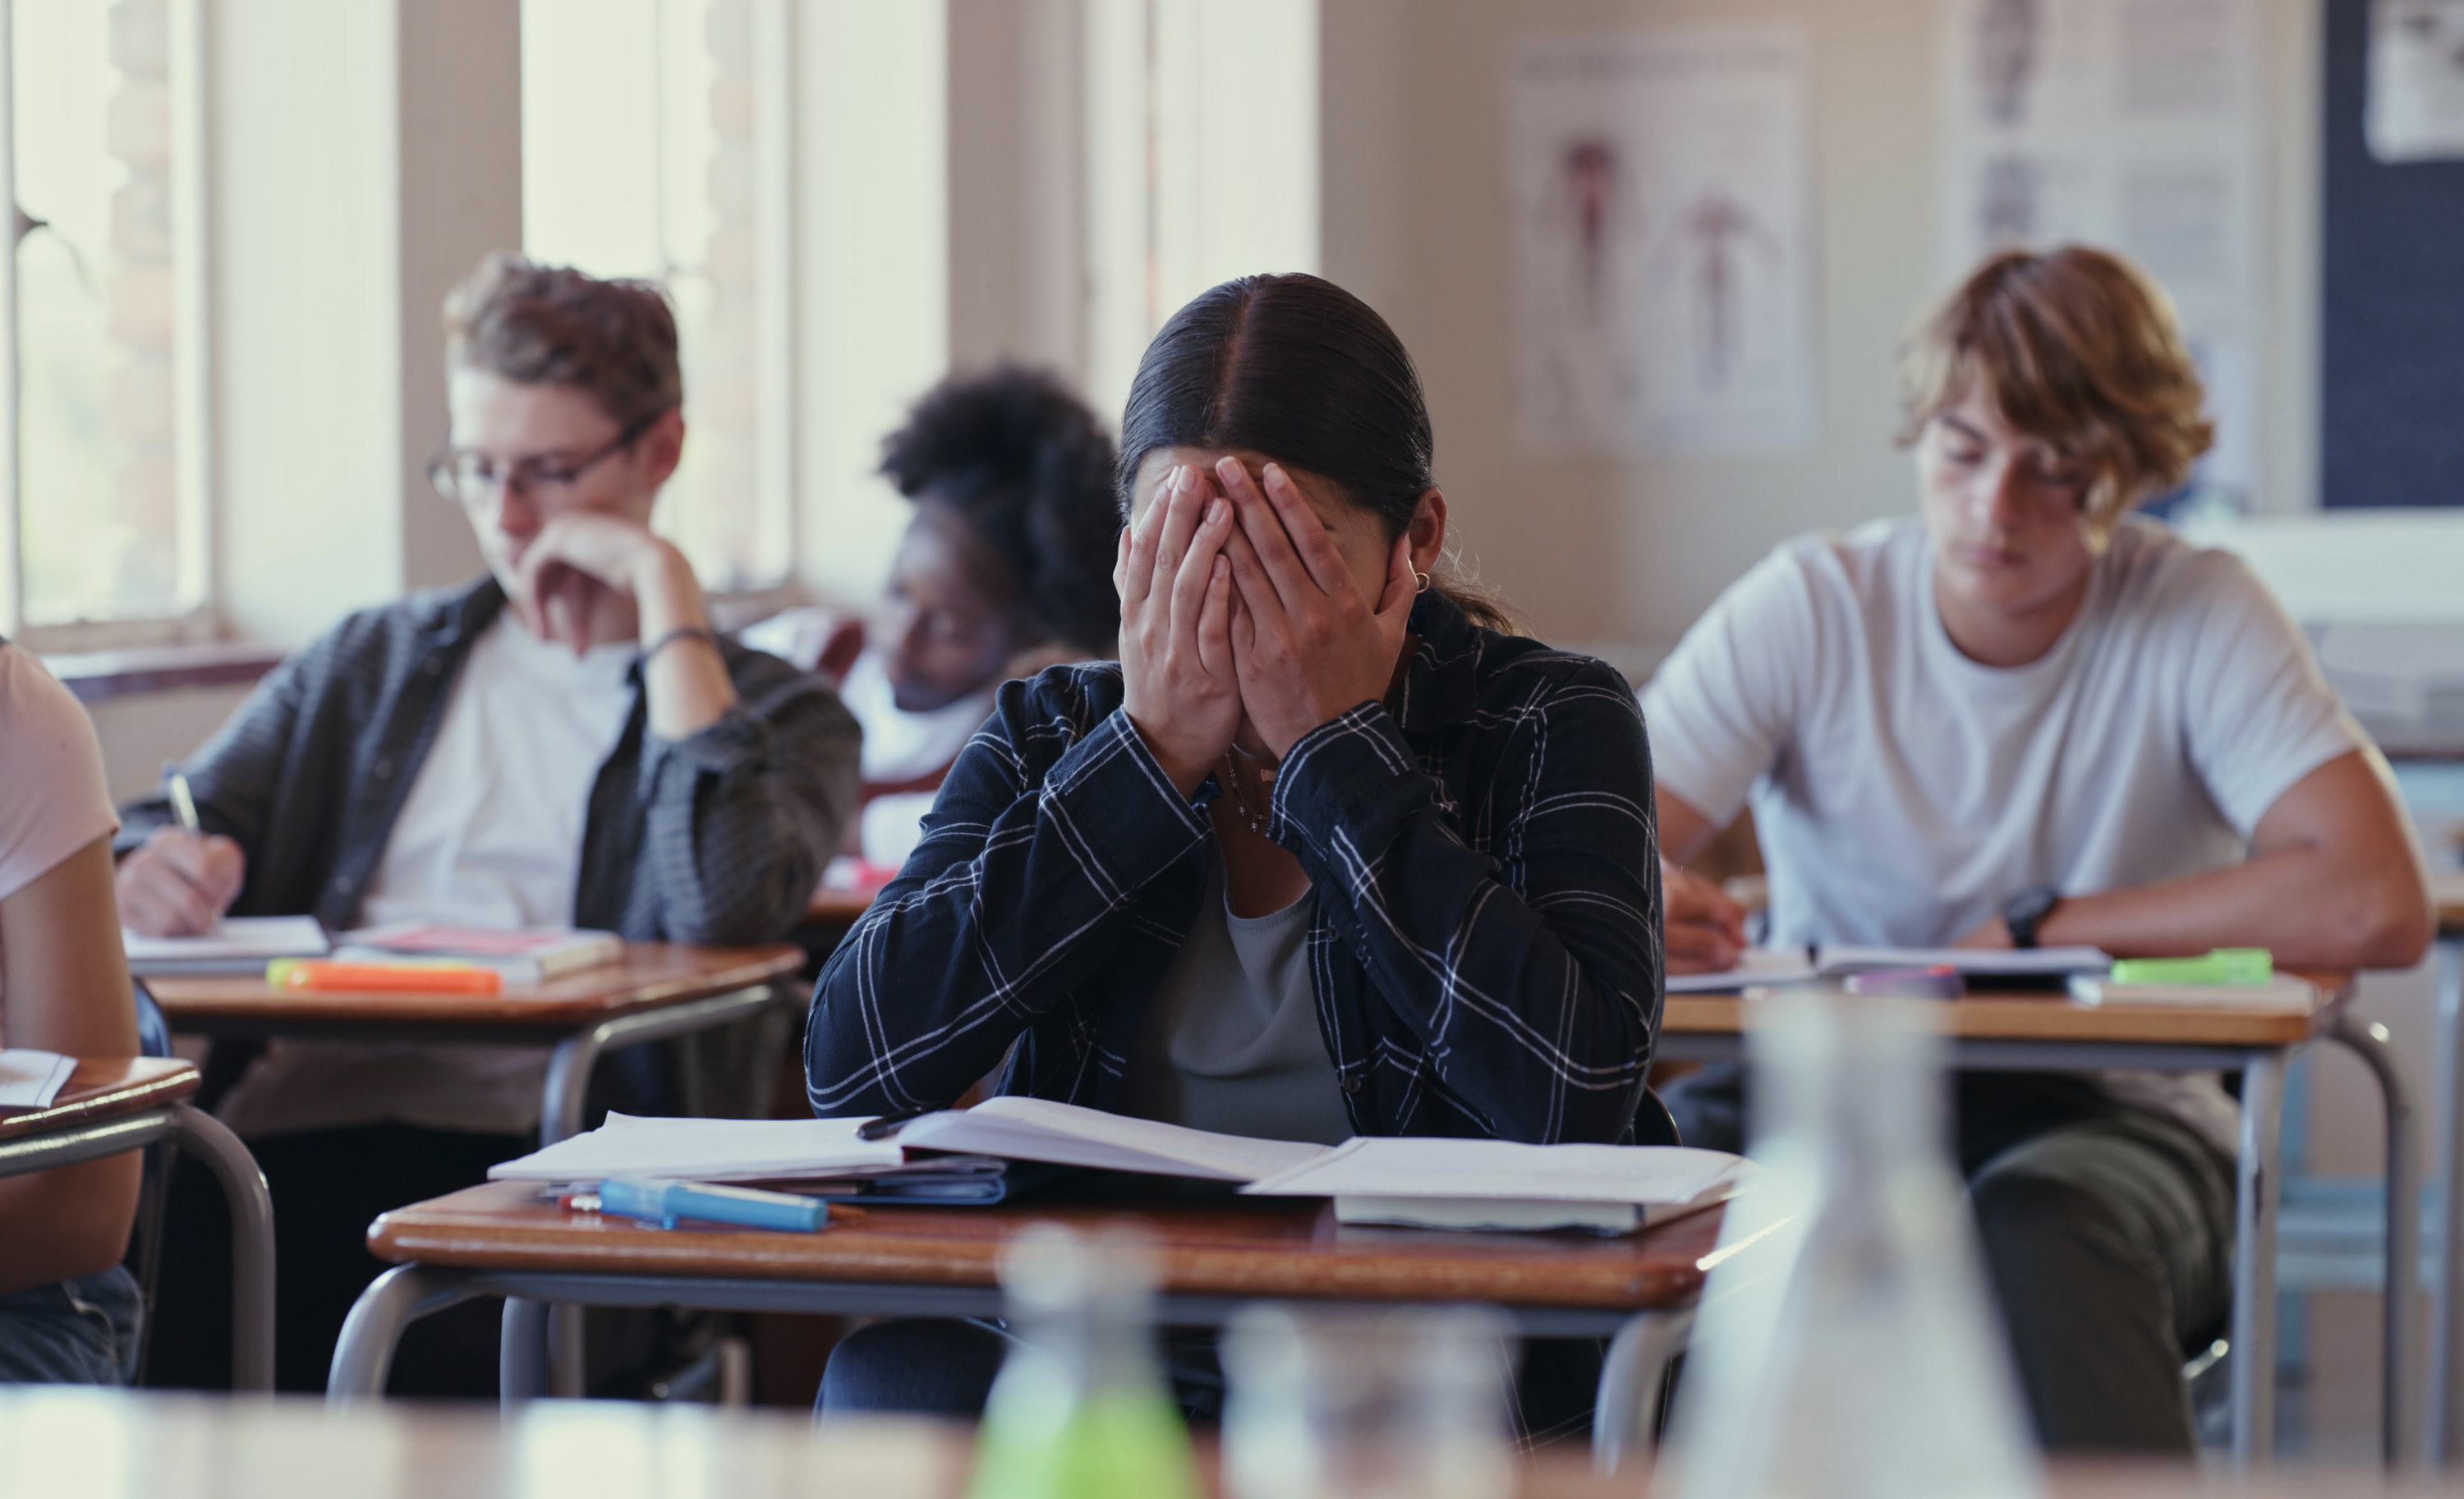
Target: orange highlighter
x,y
292,974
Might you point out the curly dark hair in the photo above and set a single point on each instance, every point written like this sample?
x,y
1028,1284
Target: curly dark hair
x,y
1029,467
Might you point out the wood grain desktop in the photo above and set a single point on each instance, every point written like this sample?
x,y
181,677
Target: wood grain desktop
x,y
1231,1247
650,975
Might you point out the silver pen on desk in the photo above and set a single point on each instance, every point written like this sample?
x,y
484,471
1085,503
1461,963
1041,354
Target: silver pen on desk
x,y
183,805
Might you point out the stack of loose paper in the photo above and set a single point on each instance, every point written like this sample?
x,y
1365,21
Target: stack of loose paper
x,y
1773,965
1455,1183
30,1079
237,944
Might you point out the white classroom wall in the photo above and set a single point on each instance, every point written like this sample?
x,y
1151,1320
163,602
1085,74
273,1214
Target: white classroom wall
x,y
1415,220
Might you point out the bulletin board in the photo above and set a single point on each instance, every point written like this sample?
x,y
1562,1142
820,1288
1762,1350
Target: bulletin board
x,y
2391,334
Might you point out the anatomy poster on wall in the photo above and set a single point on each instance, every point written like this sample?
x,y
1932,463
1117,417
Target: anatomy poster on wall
x,y
1663,259
2132,126
2416,81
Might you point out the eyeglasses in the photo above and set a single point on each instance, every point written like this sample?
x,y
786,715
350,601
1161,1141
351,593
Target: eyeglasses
x,y
465,477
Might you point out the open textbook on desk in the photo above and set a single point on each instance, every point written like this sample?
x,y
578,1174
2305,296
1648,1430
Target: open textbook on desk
x,y
977,1155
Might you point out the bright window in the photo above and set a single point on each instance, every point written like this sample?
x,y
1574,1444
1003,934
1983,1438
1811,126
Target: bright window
x,y
103,502
654,145
1183,192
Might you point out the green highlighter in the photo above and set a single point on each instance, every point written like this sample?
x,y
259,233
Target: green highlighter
x,y
2239,967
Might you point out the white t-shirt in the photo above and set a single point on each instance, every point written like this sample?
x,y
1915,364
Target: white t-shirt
x,y
900,746
488,836
1902,792
53,797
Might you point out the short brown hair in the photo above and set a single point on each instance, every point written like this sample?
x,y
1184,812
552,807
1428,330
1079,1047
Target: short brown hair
x,y
552,325
2080,350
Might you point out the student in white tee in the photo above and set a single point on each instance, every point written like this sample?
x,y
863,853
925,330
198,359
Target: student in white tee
x,y
2024,719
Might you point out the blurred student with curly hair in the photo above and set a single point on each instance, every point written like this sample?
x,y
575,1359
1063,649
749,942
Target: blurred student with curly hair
x,y
1005,568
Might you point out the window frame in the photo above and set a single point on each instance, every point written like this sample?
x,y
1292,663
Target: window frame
x,y
200,621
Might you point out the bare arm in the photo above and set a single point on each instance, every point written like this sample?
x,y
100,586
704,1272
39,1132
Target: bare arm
x,y
64,988
2334,881
1705,930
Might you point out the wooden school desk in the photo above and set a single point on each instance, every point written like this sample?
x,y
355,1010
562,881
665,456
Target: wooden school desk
x,y
116,1104
2043,1032
1217,1254
97,1443
658,991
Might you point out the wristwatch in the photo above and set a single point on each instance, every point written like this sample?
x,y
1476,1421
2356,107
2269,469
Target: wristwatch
x,y
2026,911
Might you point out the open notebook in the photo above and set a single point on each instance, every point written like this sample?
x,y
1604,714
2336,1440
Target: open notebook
x,y
1433,1183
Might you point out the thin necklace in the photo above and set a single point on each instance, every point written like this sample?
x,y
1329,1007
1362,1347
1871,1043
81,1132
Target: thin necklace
x,y
1256,822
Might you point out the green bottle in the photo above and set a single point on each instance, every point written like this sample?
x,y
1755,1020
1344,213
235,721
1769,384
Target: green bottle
x,y
1080,1410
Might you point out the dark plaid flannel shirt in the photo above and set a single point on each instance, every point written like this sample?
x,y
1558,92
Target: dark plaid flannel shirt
x,y
1485,946
717,837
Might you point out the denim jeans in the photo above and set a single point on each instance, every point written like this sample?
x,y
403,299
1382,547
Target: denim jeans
x,y
72,1332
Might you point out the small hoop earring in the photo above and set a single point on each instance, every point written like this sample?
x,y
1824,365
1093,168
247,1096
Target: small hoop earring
x,y
1424,580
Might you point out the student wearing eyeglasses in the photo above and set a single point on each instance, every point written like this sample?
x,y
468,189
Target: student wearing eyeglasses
x,y
562,740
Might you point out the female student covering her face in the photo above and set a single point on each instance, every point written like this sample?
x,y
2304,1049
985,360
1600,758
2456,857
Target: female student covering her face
x,y
68,1312
1326,852
1005,569
2028,717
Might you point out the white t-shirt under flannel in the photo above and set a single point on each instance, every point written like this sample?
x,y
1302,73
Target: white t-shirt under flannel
x,y
488,836
1902,792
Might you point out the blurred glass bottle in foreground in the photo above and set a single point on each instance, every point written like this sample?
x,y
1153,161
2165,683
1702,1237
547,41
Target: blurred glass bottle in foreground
x,y
1080,1410
1411,1404
1874,1364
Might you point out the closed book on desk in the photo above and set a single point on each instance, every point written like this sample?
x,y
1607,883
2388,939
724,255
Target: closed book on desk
x,y
2282,992
524,955
1500,1184
237,944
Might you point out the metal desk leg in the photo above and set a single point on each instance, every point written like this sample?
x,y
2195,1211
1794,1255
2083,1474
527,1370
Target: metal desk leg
x,y
2369,1042
565,1355
1630,1379
2446,1403
522,1358
252,1215
2253,1308
394,1301
568,1066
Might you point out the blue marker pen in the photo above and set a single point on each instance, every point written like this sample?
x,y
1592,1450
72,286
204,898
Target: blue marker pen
x,y
664,1202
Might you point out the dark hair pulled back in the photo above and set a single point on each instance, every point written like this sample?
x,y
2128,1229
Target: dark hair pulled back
x,y
1298,369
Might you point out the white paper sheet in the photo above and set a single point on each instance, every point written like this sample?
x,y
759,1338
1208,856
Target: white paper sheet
x,y
236,945
1039,1129
705,1150
1755,965
1660,189
1387,1166
30,1079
